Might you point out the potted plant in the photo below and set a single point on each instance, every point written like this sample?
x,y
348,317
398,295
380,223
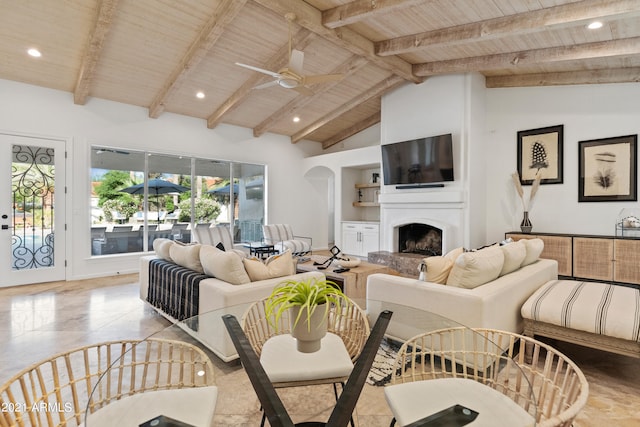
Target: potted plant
x,y
309,302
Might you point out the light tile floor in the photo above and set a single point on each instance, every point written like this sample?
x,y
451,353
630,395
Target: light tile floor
x,y
37,321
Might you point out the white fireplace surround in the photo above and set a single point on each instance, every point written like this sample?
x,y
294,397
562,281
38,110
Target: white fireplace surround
x,y
442,209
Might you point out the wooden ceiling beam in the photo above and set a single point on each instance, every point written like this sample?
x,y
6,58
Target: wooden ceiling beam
x,y
571,14
95,43
350,66
209,35
582,77
311,18
378,90
352,130
359,10
620,47
300,41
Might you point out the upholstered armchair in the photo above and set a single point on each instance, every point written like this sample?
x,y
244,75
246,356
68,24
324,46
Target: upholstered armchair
x,y
282,238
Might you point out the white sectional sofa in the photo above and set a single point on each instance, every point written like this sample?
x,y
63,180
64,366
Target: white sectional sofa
x,y
217,294
495,304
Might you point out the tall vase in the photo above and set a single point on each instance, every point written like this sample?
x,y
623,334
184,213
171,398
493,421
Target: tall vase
x,y
526,225
309,332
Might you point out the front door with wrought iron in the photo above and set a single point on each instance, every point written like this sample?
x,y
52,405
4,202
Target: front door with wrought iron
x,y
32,210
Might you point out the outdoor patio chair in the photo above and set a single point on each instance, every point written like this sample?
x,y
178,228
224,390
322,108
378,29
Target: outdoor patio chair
x,y
282,238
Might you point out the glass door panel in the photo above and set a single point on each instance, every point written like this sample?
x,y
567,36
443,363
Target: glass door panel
x,y
32,216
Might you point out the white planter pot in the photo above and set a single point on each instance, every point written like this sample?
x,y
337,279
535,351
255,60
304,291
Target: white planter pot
x,y
309,332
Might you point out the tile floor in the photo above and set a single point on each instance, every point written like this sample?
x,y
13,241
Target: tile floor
x,y
37,321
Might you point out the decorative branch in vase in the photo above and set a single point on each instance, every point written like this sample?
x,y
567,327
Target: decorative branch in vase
x,y
526,225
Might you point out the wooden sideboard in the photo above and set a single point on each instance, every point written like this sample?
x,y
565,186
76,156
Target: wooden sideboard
x,y
602,258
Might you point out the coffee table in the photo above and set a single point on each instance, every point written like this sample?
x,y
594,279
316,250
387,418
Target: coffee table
x,y
352,282
260,249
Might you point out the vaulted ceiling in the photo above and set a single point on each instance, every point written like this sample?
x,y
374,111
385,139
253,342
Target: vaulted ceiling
x,y
158,54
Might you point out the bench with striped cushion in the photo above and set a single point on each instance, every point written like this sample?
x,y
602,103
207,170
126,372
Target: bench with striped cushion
x,y
593,314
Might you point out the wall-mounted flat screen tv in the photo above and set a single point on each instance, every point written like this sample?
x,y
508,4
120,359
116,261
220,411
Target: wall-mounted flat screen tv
x,y
418,161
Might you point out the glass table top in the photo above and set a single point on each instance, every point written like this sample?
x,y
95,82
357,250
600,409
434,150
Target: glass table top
x,y
236,402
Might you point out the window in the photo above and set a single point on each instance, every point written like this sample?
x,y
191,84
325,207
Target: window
x,y
128,212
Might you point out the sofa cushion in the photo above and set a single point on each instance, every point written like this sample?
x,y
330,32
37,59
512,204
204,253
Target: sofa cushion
x,y
279,265
226,266
187,256
161,247
534,249
439,267
514,253
472,269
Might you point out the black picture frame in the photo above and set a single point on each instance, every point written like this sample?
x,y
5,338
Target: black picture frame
x,y
541,150
608,169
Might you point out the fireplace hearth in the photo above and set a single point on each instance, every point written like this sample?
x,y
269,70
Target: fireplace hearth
x,y
417,238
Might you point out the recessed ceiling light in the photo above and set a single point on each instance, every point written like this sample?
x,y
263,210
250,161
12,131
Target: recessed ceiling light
x,y
200,95
594,25
296,119
34,52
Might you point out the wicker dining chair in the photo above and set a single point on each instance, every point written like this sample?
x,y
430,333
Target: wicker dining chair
x,y
59,391
547,386
287,367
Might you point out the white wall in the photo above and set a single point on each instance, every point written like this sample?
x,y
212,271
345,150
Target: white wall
x,y
330,166
34,110
587,112
441,104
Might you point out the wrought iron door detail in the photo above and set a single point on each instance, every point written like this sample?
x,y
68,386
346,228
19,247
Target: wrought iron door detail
x,y
33,185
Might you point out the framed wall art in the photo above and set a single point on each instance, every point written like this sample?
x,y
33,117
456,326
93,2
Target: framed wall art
x,y
608,169
540,151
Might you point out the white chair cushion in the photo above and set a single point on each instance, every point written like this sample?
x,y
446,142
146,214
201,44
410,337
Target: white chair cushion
x,y
410,402
195,406
275,233
283,362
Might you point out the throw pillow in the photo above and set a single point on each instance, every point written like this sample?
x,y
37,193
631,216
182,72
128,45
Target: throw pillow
x,y
514,254
226,266
275,266
472,269
534,249
161,247
187,256
439,267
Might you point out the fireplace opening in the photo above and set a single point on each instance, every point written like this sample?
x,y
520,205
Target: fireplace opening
x,y
420,239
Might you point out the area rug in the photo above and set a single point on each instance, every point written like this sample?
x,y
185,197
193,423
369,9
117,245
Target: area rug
x,y
382,367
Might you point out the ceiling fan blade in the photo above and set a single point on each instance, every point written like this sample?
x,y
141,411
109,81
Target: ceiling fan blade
x,y
304,91
296,60
260,70
266,85
321,78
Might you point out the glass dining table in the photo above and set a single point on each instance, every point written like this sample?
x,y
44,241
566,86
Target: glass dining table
x,y
230,399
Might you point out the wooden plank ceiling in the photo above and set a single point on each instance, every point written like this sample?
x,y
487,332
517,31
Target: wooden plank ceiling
x,y
158,54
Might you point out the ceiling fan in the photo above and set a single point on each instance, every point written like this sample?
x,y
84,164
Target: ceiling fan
x,y
292,76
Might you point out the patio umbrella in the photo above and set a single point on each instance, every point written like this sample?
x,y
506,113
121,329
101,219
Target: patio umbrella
x,y
156,187
224,190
